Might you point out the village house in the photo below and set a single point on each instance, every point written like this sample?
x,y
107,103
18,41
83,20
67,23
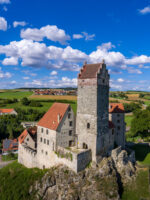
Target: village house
x,y
63,138
10,111
10,145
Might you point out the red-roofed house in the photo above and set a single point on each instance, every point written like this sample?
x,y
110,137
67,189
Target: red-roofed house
x,y
7,111
10,145
117,116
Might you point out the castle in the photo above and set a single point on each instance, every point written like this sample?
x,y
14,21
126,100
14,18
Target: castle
x,y
60,137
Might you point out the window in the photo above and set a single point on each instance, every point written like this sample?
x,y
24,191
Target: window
x,y
103,80
44,141
69,116
71,143
27,139
118,127
42,150
47,131
88,125
112,131
118,115
69,109
70,132
46,152
70,123
47,142
41,139
118,121
41,130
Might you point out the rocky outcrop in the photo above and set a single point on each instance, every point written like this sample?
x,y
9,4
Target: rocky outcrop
x,y
101,181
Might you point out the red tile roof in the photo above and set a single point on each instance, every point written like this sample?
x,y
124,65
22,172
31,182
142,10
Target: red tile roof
x,y
111,125
50,119
31,131
6,110
89,71
116,108
22,136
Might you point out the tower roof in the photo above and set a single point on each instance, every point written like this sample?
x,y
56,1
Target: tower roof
x,y
90,71
50,119
116,108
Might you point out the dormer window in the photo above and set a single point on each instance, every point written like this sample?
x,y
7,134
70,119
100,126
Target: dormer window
x,y
88,125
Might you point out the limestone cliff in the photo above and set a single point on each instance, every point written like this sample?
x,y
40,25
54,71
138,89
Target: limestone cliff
x,y
98,182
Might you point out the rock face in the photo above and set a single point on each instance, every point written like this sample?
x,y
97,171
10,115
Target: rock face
x,y
101,181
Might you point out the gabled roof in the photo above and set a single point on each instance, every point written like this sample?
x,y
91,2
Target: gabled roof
x,y
31,131
116,108
89,71
50,119
22,136
6,110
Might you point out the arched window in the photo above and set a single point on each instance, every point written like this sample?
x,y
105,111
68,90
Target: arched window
x,y
88,125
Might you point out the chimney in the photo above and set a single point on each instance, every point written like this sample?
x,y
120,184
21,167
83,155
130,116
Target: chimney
x,y
58,118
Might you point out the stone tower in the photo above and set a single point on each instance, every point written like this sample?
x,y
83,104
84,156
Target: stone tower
x,y
92,110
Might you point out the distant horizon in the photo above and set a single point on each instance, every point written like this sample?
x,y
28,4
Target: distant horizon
x,y
46,44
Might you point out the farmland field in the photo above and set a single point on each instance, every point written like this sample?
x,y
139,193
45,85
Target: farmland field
x,y
14,94
53,97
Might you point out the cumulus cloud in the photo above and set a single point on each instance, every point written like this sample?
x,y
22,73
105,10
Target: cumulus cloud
x,y
10,61
19,23
50,32
4,1
3,24
77,36
132,70
5,74
26,78
84,35
120,80
145,10
53,73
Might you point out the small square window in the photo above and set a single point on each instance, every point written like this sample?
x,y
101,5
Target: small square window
x,y
70,132
70,123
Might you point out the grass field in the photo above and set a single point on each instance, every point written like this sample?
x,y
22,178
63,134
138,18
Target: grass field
x,y
14,94
138,189
15,181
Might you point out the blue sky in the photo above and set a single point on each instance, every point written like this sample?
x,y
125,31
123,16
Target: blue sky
x,y
44,43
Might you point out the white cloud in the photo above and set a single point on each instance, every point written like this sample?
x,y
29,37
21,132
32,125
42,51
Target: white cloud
x,y
145,10
88,36
5,8
19,23
53,73
77,36
50,32
13,82
120,80
3,24
5,74
4,1
132,70
10,61
26,78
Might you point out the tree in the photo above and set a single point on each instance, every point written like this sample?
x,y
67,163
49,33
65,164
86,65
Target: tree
x,y
25,101
140,125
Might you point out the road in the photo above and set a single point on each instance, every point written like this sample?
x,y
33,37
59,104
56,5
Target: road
x,y
3,164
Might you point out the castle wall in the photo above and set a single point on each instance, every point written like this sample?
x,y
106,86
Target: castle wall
x,y
27,156
118,121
